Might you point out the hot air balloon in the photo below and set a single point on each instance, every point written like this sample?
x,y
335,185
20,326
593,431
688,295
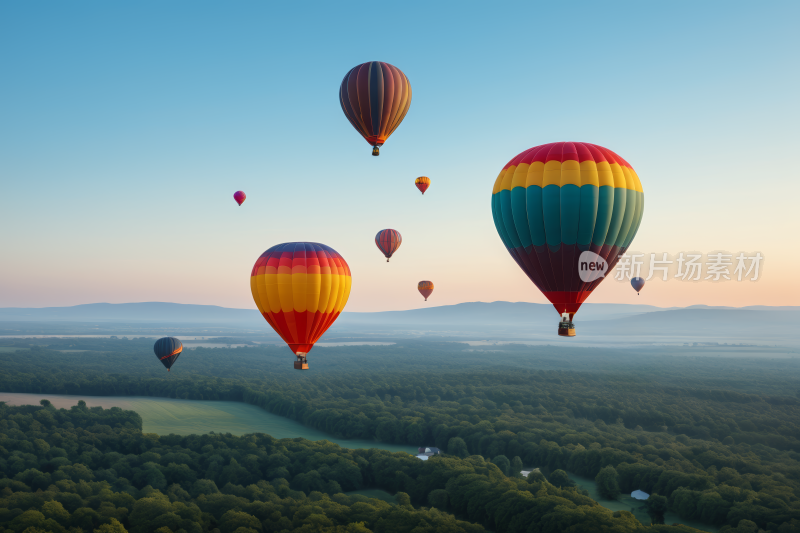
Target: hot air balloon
x,y
167,350
388,241
300,288
375,98
425,288
637,284
556,202
422,183
240,197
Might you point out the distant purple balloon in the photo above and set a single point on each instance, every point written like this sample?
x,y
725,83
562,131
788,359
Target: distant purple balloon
x,y
637,284
239,196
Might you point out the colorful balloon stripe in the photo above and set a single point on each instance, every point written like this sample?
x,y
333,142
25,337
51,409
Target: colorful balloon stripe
x,y
555,201
567,163
375,97
300,288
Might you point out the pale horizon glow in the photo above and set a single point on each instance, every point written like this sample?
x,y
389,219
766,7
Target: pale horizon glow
x,y
126,129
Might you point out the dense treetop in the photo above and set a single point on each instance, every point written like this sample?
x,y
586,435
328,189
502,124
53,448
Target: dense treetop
x,y
93,469
717,438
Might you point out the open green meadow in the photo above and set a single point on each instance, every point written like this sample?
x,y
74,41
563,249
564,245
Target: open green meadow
x,y
185,417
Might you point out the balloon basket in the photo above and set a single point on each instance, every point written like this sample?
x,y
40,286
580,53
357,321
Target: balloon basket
x,y
376,151
566,332
301,363
565,327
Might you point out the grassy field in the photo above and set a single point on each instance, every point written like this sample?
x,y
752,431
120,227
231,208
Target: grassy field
x,y
185,417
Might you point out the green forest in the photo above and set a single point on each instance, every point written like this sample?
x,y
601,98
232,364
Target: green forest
x,y
712,438
88,469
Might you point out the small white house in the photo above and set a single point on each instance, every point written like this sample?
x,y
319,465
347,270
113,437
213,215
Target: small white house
x,y
425,452
526,473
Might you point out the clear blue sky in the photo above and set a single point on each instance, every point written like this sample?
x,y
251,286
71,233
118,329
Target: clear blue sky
x,y
125,127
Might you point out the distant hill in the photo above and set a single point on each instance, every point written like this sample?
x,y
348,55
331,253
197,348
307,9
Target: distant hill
x,y
726,324
497,320
150,312
132,312
494,313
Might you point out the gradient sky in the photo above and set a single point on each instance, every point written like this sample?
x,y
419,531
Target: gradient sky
x,y
125,127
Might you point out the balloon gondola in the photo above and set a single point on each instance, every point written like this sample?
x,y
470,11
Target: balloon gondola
x,y
375,97
552,203
565,326
300,288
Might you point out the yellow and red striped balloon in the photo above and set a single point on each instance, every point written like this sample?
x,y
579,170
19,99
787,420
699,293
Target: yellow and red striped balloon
x,y
300,288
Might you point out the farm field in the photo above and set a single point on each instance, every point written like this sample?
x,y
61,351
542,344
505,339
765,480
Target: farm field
x,y
185,417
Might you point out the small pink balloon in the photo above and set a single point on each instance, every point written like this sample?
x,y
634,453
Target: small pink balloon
x,y
239,196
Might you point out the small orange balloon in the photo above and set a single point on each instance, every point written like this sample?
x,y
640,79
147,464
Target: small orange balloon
x,y
422,183
425,288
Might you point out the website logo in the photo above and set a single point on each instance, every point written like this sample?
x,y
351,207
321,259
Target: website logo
x,y
591,266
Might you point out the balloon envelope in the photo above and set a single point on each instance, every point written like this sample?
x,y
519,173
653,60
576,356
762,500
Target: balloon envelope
x,y
239,196
422,183
375,98
425,288
167,350
388,241
555,201
300,288
637,284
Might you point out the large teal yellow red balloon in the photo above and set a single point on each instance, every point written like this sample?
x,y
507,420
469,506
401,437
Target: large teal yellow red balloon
x,y
556,202
375,98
